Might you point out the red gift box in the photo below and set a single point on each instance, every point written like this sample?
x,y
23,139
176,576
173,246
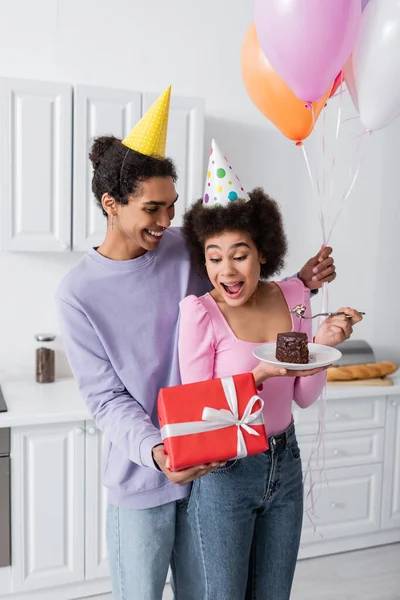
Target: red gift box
x,y
210,421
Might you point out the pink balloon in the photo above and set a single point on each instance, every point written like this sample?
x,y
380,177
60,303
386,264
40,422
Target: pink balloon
x,y
336,84
307,41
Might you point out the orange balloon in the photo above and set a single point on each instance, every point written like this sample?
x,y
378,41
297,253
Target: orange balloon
x,y
272,96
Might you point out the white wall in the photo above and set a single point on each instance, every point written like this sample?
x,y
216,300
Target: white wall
x,y
146,45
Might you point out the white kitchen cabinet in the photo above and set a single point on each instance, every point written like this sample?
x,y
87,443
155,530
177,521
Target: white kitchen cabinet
x,y
48,484
96,506
342,414
355,474
102,111
185,146
47,201
391,490
363,447
35,165
348,503
97,111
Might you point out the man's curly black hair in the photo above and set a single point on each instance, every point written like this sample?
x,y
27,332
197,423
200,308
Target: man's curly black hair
x,y
260,218
120,172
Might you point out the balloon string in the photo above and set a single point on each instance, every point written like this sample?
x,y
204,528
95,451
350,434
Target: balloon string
x,y
314,466
315,471
323,184
317,449
359,158
318,442
316,192
339,118
333,163
351,119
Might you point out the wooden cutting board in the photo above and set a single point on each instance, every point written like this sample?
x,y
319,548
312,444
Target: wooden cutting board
x,y
378,381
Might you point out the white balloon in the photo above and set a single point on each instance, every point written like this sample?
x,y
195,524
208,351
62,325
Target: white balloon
x,y
372,73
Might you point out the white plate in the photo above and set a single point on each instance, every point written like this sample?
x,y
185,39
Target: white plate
x,y
320,356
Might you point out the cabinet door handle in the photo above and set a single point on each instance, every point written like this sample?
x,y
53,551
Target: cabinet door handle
x,y
337,415
91,430
335,452
79,431
65,247
393,403
333,505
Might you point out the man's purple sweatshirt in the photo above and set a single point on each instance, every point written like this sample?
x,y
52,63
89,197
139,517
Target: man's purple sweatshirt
x,y
119,322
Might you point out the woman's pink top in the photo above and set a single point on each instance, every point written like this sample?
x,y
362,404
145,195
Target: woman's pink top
x,y
208,349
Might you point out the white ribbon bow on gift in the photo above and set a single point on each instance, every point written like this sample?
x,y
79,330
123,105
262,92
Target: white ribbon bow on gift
x,y
214,419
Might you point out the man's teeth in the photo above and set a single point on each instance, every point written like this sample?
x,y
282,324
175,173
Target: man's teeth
x,y
156,233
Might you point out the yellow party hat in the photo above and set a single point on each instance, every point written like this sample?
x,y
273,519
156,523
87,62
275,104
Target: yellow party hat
x,y
149,136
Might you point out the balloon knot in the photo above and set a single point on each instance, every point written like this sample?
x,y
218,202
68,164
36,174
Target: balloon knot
x,y
368,131
299,144
308,105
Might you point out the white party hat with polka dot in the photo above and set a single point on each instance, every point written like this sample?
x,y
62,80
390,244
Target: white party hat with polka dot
x,y
222,184
149,136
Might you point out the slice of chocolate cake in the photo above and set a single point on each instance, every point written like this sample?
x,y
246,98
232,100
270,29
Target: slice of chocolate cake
x,y
292,347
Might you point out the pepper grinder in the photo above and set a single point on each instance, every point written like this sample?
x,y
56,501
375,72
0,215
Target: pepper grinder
x,y
45,358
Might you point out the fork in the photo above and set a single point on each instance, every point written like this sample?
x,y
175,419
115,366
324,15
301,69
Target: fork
x,y
300,314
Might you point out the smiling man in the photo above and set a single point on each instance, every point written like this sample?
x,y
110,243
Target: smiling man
x,y
119,309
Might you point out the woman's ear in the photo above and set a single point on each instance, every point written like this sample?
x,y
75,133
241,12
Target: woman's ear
x,y
263,260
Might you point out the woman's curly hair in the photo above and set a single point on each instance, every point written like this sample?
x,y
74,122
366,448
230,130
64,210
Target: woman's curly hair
x,y
260,218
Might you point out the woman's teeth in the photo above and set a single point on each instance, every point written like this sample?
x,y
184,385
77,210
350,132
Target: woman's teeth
x,y
233,288
155,233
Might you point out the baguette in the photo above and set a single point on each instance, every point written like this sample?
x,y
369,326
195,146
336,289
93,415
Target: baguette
x,y
367,371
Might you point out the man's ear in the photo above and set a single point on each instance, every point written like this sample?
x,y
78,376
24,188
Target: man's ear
x,y
109,205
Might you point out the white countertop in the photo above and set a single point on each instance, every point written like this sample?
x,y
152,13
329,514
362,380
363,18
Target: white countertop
x,y
364,391
31,403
